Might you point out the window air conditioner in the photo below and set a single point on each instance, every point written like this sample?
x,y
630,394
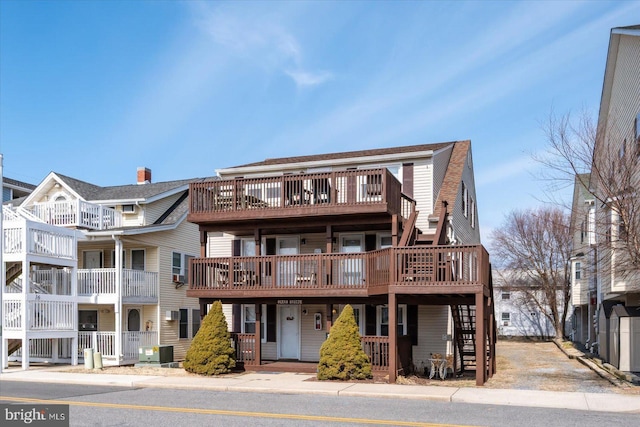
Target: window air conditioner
x,y
178,278
172,315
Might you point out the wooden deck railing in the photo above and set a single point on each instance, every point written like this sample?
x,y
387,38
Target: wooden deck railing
x,y
308,191
408,266
245,346
377,348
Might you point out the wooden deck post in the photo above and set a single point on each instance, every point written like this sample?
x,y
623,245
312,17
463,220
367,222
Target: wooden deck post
x,y
258,335
393,338
329,317
394,230
481,340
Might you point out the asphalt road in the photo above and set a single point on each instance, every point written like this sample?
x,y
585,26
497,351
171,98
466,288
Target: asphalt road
x,y
117,406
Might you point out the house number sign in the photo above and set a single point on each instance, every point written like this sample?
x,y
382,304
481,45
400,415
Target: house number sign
x,y
290,301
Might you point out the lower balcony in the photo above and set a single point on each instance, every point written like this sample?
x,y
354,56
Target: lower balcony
x,y
59,350
443,269
100,284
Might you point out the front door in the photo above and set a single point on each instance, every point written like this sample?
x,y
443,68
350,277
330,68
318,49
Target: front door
x,y
352,270
132,341
289,338
92,259
287,269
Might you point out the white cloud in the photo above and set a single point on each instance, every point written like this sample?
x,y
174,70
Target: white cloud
x,y
306,78
260,39
504,170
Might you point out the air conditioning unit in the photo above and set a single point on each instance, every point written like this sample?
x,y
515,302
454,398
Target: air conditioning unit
x,y
505,323
172,315
178,278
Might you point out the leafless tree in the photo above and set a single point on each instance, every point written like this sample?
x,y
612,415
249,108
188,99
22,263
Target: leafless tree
x,y
612,159
535,246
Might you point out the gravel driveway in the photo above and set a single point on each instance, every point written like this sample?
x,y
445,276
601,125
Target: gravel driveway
x,y
542,366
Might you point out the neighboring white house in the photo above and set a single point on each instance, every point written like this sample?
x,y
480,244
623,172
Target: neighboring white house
x,y
67,290
583,259
517,313
618,132
394,232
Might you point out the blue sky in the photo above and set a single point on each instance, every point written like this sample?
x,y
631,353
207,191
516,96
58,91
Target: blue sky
x,y
94,89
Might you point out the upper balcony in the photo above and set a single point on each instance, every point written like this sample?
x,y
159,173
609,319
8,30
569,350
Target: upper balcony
x,y
77,213
373,191
26,237
405,270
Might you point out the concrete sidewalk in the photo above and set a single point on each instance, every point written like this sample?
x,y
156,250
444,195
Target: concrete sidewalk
x,y
292,383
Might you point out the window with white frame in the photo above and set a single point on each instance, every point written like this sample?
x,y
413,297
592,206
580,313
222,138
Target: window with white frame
x,y
384,241
506,295
506,318
465,195
578,273
180,263
249,320
472,209
184,323
383,320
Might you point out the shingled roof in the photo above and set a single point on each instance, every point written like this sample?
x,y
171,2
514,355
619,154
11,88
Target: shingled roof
x,y
349,154
17,183
131,191
452,178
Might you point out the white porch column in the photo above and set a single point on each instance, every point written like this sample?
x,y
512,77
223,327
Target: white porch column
x,y
5,354
118,304
25,323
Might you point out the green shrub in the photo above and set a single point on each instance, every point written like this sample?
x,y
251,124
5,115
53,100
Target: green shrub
x,y
211,351
341,355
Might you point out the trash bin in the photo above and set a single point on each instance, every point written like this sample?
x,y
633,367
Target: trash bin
x,y
97,360
88,358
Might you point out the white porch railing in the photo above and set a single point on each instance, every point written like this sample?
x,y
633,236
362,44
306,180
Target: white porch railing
x,y
77,213
39,239
104,342
135,283
42,315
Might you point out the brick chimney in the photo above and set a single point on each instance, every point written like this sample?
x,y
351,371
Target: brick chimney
x,y
144,175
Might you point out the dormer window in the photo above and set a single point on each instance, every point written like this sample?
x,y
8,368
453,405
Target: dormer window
x,y
128,208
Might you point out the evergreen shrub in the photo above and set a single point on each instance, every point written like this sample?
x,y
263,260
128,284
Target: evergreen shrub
x,y
341,355
211,351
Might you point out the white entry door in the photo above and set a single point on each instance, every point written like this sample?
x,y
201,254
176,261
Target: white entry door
x,y
92,259
287,269
289,337
352,270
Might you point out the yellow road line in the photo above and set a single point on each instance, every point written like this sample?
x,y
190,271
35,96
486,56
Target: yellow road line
x,y
224,412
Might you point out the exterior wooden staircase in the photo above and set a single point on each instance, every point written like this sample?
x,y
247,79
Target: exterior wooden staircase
x,y
464,321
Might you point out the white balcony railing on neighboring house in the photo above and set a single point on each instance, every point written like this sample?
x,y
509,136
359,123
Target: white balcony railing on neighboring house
x,y
42,314
39,239
104,342
135,283
77,213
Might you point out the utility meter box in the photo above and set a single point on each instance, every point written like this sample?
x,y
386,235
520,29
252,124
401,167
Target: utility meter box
x,y
156,354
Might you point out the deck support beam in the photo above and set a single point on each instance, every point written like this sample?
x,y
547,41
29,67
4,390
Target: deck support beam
x,y
258,338
393,338
481,340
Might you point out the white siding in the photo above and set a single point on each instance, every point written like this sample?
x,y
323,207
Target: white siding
x,y
269,351
433,323
423,191
311,340
219,244
153,211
